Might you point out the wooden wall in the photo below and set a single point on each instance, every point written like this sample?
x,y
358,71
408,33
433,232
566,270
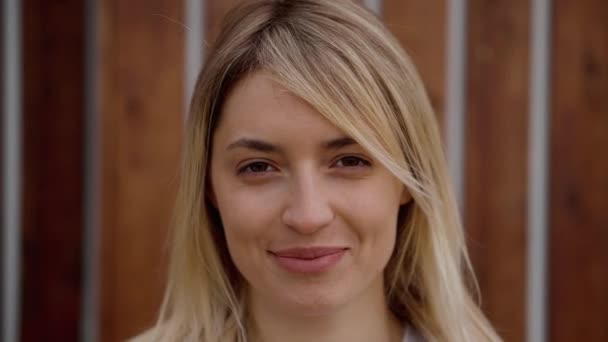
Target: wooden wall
x,y
141,110
496,136
53,102
578,184
496,157
421,27
139,91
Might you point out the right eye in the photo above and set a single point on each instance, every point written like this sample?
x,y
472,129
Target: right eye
x,y
256,168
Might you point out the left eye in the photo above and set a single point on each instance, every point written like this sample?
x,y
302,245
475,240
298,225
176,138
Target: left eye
x,y
256,168
352,161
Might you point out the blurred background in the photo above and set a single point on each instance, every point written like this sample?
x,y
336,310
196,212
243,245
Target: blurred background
x,y
94,100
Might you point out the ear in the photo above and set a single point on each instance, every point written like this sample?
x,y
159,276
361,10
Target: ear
x,y
406,197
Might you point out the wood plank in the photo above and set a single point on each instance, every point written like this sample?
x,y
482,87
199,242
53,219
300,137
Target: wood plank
x,y
496,158
141,86
579,172
420,27
53,75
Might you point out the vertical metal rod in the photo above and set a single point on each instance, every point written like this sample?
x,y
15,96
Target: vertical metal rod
x,y
195,13
538,174
456,94
91,205
12,182
375,6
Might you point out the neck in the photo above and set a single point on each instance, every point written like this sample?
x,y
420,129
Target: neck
x,y
366,319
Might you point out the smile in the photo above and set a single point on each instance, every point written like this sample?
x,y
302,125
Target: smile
x,y
309,260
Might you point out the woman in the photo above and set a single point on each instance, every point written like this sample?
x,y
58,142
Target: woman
x,y
314,202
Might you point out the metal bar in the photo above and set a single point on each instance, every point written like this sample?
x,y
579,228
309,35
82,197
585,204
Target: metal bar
x,y
12,180
195,13
375,6
91,159
538,172
456,94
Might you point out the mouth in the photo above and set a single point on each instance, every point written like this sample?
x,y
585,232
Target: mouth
x,y
308,260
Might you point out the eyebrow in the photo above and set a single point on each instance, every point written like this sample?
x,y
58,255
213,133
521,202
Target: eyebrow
x,y
263,146
253,144
336,144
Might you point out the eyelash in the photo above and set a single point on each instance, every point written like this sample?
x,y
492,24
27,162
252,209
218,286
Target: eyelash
x,y
247,168
361,161
244,169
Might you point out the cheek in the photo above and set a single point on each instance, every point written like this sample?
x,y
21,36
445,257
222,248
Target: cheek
x,y
248,217
372,210
374,202
242,220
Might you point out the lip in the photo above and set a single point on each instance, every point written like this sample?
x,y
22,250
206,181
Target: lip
x,y
308,259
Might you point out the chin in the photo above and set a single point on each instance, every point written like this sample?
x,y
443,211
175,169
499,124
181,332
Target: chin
x,y
314,303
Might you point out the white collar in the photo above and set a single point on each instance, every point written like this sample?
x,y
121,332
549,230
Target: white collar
x,y
412,335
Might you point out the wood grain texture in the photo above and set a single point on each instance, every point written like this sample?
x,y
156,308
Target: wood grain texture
x,y
496,160
53,76
420,27
579,172
141,108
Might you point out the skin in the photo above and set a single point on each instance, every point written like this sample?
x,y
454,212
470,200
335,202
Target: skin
x,y
282,176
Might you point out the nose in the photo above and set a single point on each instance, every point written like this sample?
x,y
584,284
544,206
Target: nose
x,y
308,209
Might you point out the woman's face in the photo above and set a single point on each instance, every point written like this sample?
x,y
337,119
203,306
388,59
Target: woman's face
x,y
309,216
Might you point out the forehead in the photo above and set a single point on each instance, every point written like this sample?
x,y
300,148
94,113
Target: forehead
x,y
259,106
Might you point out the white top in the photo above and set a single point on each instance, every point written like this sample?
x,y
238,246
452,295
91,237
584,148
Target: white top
x,y
412,335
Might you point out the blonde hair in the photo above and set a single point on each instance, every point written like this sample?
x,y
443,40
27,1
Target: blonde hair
x,y
339,58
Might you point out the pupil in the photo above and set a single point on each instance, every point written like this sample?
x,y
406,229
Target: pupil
x,y
350,161
258,167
